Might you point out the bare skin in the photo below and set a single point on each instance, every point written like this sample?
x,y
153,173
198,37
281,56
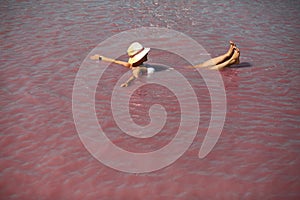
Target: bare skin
x,y
219,59
137,68
98,57
232,61
231,57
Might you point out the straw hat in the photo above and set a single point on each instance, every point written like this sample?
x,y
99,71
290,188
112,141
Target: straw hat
x,y
136,52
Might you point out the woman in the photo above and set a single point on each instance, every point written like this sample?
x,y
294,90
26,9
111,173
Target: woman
x,y
138,55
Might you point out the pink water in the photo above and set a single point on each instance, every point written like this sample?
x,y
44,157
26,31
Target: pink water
x,y
42,47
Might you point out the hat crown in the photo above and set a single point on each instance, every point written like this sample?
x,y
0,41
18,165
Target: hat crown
x,y
136,52
134,48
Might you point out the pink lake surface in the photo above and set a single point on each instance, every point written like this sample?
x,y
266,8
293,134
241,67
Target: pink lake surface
x,y
43,44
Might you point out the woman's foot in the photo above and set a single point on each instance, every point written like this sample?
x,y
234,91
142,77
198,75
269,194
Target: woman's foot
x,y
232,43
235,59
231,49
238,55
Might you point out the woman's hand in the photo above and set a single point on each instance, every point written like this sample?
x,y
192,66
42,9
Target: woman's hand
x,y
96,57
124,85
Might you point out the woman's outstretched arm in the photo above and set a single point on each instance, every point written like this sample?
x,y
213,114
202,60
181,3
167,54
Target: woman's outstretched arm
x,y
98,57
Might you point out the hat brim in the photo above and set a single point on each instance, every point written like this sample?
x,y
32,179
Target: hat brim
x,y
139,56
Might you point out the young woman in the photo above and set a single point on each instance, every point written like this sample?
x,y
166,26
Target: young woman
x,y
138,55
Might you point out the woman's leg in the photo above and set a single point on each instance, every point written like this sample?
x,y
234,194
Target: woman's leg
x,y
235,59
219,59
